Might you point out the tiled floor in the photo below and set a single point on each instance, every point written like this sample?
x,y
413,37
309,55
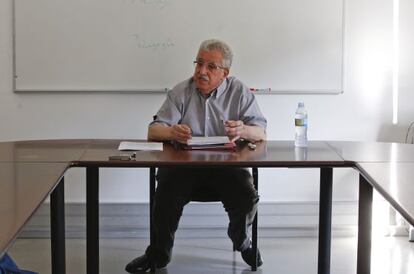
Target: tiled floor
x,y
391,255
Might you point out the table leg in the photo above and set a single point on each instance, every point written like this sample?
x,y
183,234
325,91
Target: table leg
x,y
254,228
364,227
325,221
151,196
92,220
57,228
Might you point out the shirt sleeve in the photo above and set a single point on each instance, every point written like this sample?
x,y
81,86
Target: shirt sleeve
x,y
250,112
169,114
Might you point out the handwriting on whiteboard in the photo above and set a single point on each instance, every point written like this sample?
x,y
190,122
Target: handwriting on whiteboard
x,y
161,3
153,44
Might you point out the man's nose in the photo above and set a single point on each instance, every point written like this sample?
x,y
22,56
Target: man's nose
x,y
203,69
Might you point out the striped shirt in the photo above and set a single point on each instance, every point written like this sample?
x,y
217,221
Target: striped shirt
x,y
232,100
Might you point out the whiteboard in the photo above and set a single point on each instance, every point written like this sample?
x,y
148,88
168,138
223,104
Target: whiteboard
x,y
150,45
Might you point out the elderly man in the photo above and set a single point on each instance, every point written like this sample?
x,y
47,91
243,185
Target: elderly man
x,y
198,107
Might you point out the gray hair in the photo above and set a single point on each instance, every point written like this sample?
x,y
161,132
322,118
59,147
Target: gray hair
x,y
214,44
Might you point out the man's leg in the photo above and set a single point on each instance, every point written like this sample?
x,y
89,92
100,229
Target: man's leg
x,y
172,194
240,200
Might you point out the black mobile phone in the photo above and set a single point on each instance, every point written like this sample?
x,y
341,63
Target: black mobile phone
x,y
120,158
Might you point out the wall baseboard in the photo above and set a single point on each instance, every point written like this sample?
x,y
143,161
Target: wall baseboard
x,y
200,220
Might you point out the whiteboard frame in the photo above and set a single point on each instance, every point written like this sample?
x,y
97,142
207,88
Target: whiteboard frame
x,y
166,89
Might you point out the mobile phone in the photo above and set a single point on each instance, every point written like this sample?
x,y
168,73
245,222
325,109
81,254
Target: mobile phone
x,y
120,158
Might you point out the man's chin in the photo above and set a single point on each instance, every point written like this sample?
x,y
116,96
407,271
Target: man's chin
x,y
202,88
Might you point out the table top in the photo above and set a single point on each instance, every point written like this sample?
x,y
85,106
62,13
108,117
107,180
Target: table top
x,y
395,181
23,187
51,151
373,151
269,153
266,154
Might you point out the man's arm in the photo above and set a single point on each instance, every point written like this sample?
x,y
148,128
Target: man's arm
x,y
160,132
237,129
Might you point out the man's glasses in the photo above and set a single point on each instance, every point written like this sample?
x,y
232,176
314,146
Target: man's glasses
x,y
210,66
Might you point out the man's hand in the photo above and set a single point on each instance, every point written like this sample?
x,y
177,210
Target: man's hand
x,y
234,129
180,133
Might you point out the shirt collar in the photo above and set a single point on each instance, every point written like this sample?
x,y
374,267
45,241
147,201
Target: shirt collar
x,y
221,88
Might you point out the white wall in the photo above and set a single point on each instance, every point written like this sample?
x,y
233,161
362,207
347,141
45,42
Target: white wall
x,y
363,112
406,62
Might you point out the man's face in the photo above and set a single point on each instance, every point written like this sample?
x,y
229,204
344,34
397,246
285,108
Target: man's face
x,y
209,71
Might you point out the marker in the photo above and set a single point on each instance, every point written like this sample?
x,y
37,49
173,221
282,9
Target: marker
x,y
260,89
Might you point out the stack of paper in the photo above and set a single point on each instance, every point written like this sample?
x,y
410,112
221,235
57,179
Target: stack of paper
x,y
140,146
210,142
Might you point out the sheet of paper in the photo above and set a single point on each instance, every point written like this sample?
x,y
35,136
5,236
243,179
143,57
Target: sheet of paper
x,y
209,140
140,146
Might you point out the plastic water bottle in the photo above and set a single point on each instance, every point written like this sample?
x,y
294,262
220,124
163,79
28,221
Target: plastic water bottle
x,y
301,126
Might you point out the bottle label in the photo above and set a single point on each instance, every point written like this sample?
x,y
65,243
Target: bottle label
x,y
301,122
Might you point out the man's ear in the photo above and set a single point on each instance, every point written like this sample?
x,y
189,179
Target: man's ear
x,y
226,72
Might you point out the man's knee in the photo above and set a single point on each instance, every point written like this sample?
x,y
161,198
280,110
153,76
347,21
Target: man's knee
x,y
243,175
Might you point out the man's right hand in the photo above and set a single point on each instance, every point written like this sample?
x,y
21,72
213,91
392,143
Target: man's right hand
x,y
181,133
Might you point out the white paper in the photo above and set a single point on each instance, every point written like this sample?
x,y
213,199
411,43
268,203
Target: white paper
x,y
140,146
209,140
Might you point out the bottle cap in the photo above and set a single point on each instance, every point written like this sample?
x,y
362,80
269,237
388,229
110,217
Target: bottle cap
x,y
301,104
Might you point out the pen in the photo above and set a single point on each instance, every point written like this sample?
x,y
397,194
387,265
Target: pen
x,y
260,89
223,121
225,126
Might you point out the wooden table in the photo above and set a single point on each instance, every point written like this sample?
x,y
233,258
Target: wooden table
x,y
385,167
267,154
30,171
36,168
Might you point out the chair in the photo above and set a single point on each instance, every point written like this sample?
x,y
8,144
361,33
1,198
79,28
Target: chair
x,y
208,196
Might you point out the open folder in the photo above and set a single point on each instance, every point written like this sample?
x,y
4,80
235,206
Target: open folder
x,y
210,142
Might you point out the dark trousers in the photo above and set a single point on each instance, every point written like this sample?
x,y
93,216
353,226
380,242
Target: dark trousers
x,y
178,186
